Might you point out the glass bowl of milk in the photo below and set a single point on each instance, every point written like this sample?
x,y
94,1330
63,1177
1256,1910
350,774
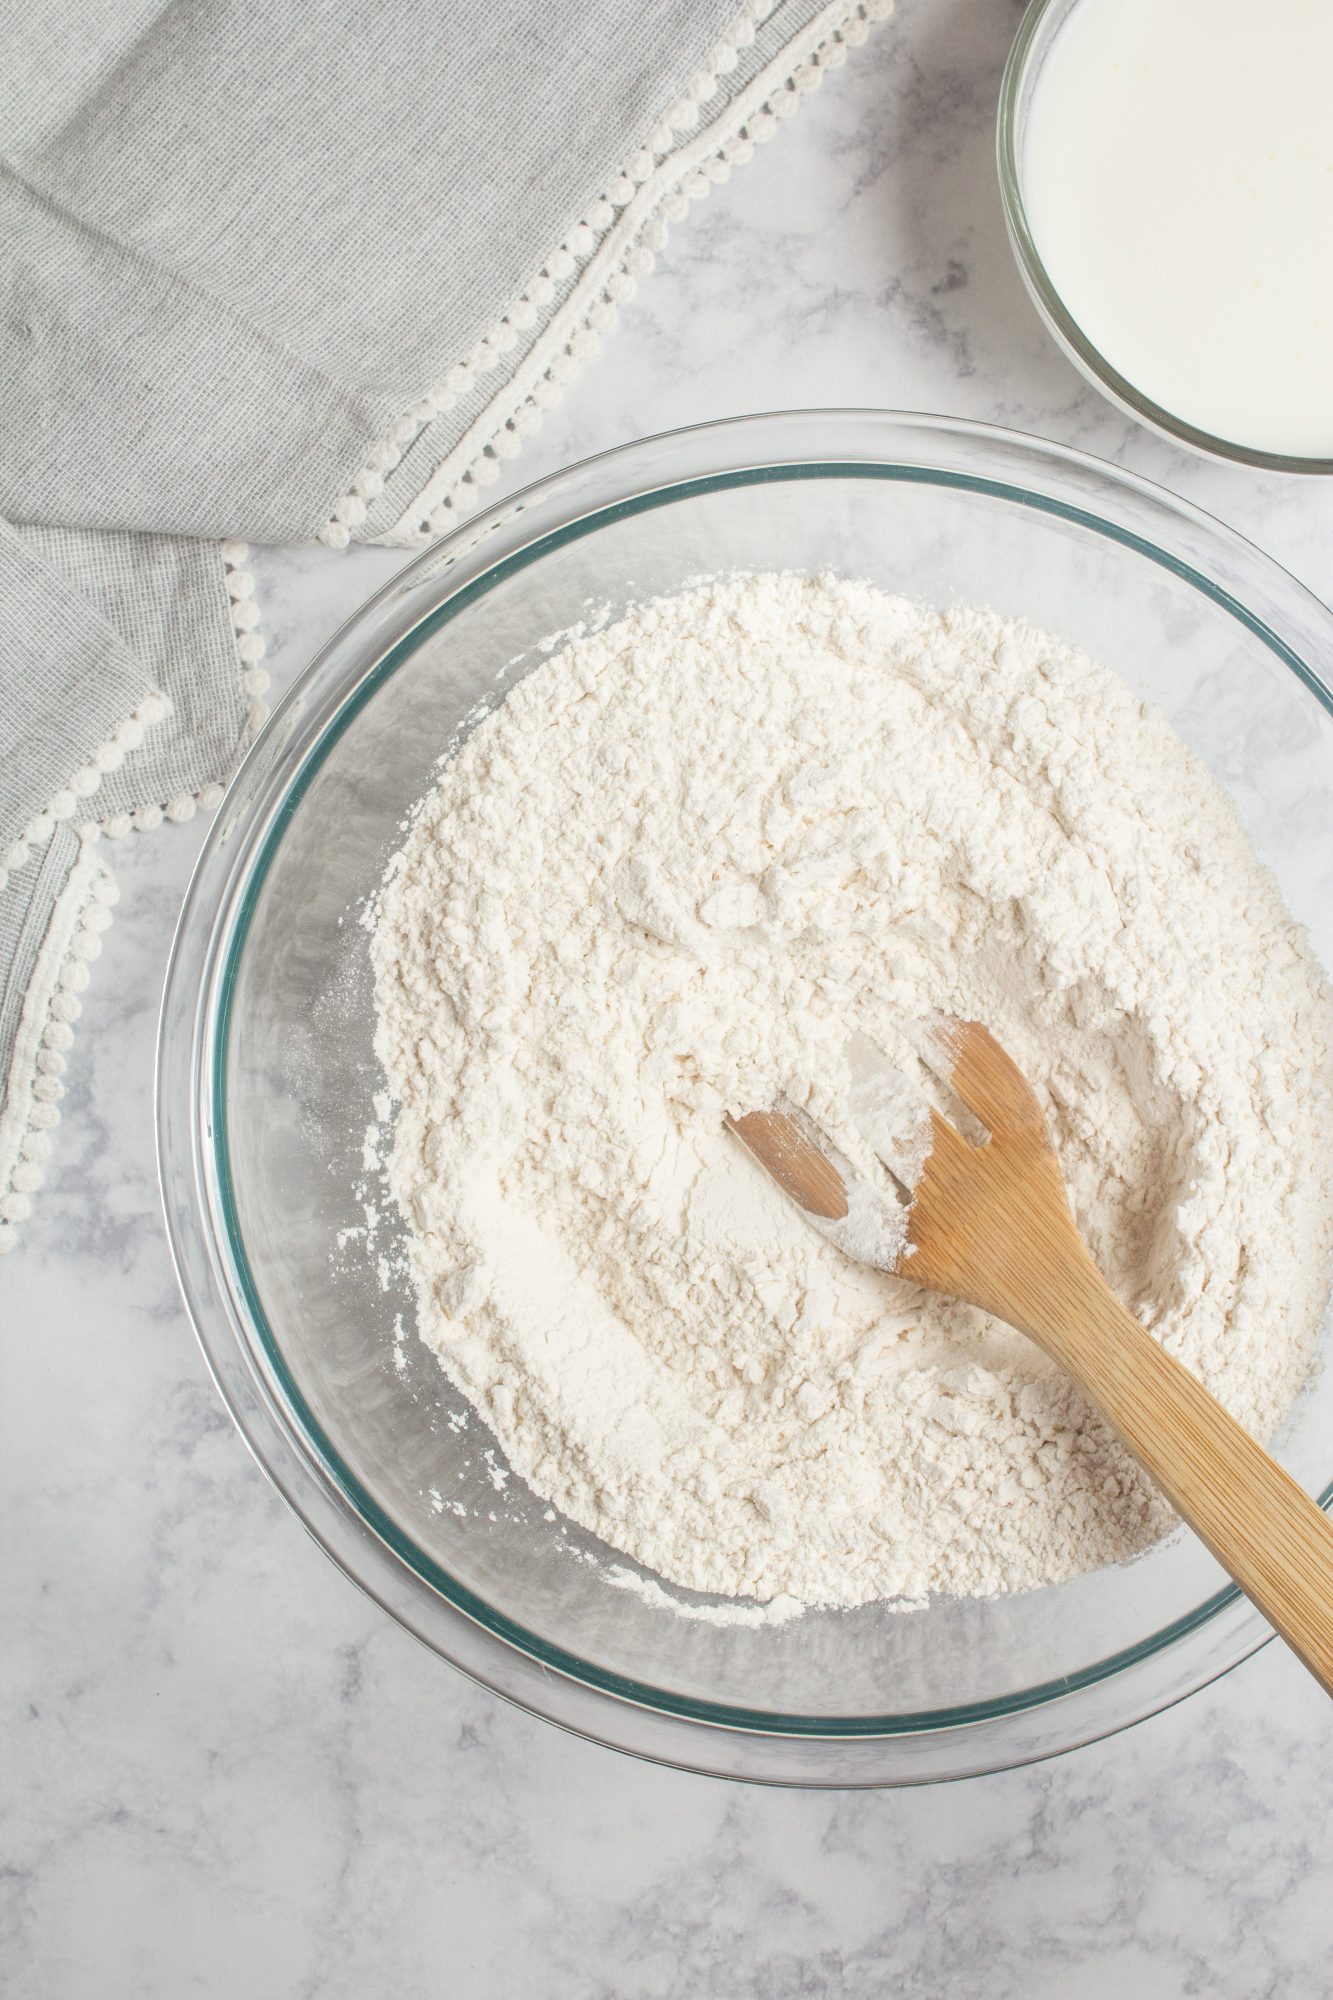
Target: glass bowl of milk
x,y
1167,174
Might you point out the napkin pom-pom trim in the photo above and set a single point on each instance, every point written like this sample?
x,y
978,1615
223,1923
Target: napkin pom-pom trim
x,y
598,261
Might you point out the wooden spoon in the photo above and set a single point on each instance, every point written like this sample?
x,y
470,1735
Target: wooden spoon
x,y
991,1224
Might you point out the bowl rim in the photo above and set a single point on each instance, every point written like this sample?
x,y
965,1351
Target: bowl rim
x,y
1041,23
208,1250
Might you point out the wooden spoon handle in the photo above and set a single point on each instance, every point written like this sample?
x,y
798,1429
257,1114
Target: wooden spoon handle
x,y
1262,1527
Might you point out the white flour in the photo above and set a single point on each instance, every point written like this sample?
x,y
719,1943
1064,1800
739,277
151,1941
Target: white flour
x,y
688,858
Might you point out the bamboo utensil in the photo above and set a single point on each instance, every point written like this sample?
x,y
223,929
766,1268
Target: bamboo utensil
x,y
991,1224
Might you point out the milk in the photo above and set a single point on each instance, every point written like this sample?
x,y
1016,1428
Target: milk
x,y
1178,178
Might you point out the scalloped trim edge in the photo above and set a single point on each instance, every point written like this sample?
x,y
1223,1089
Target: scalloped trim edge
x,y
29,1107
614,244
250,649
51,1006
129,735
84,782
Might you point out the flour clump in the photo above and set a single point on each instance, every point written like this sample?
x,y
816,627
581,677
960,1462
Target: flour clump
x,y
685,863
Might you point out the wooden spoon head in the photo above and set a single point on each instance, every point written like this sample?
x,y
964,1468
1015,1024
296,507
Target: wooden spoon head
x,y
986,1220
794,1162
981,1219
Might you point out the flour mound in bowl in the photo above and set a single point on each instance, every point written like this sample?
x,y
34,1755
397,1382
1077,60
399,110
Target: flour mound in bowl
x,y
689,857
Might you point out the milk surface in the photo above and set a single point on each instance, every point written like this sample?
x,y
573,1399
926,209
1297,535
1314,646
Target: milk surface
x,y
1178,177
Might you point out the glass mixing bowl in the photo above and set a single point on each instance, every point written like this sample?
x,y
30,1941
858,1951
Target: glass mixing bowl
x,y
266,1078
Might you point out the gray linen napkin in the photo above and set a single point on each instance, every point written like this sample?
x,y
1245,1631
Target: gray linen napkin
x,y
290,273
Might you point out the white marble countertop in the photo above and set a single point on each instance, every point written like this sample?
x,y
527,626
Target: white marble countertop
x,y
229,1774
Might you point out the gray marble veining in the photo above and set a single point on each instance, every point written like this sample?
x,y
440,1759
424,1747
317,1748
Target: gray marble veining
x,y
226,1773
